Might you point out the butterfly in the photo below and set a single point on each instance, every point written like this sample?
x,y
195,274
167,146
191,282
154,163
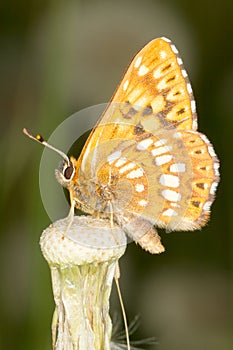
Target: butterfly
x,y
145,165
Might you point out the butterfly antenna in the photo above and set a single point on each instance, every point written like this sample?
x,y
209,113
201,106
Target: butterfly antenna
x,y
40,139
117,275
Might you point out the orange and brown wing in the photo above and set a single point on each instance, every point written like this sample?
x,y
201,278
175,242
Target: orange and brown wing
x,y
155,82
147,136
156,79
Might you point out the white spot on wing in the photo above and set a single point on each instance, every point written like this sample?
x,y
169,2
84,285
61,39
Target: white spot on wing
x,y
162,84
144,144
193,106
174,49
139,188
177,168
157,73
170,212
143,70
134,174
195,124
114,156
163,159
126,83
216,167
133,96
189,88
160,142
142,101
159,150
166,39
204,138
211,151
207,206
169,180
120,162
213,187
171,195
127,167
175,205
142,203
179,60
163,54
138,62
184,73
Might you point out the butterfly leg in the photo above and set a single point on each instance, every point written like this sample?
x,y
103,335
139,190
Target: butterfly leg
x,y
112,222
117,277
70,216
111,214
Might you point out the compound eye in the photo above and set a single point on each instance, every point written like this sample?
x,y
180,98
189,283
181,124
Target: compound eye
x,y
68,172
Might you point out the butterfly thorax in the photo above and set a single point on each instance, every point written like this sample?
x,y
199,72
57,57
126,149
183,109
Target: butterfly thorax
x,y
97,194
91,195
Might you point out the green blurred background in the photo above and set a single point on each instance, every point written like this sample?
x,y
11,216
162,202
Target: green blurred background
x,y
58,57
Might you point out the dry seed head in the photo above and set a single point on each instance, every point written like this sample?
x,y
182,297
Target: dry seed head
x,y
87,240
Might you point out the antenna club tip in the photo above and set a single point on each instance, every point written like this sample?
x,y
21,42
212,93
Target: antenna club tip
x,y
39,138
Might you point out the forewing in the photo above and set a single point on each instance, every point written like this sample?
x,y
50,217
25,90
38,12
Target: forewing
x,y
155,84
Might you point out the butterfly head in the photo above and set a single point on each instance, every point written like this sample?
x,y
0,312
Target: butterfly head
x,y
66,172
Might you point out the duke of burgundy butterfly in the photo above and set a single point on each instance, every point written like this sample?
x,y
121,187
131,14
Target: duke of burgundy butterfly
x,y
145,165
